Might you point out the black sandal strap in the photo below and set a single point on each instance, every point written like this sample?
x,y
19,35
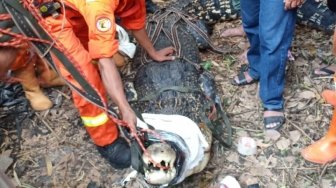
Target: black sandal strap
x,y
278,120
326,70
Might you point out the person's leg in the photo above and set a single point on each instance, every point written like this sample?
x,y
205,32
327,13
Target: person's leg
x,y
276,34
250,15
102,130
26,75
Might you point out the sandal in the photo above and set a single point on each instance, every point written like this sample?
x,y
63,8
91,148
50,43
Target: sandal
x,y
324,71
276,121
242,80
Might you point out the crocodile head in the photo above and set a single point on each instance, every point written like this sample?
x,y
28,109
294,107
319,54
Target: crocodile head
x,y
163,154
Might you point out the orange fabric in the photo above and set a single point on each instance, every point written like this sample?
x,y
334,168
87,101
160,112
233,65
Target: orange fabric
x,y
102,43
106,133
85,39
89,32
22,57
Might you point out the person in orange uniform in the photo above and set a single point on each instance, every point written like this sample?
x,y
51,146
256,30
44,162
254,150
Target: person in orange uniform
x,y
24,65
324,150
87,31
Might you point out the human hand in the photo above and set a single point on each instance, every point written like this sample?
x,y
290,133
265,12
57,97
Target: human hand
x,y
165,54
130,118
291,4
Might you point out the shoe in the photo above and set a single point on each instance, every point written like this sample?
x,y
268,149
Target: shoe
x,y
325,71
329,96
324,150
30,84
242,81
277,120
118,153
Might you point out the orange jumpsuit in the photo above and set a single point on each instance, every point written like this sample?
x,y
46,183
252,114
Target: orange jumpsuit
x,y
89,33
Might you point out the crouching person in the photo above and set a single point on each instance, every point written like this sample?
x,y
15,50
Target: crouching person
x,y
86,31
19,61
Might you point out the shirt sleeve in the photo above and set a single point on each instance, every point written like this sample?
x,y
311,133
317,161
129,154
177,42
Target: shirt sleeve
x,y
136,20
99,15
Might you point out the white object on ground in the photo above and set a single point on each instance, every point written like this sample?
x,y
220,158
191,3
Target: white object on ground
x,y
247,146
229,182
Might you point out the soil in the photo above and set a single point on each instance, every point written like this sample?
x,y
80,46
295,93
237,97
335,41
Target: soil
x,y
52,149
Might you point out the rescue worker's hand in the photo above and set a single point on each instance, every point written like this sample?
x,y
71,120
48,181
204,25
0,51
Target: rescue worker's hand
x,y
165,54
291,4
129,117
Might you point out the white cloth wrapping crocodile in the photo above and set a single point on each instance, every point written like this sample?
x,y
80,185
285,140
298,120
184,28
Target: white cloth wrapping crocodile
x,y
187,129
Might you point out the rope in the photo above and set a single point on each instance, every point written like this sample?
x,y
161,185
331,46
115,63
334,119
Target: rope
x,y
28,4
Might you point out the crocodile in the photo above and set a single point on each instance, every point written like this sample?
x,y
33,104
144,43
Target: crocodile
x,y
177,87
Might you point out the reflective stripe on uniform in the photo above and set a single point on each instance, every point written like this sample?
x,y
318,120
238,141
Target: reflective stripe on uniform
x,y
95,121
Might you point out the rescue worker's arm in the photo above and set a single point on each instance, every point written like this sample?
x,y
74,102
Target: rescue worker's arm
x,y
113,84
165,54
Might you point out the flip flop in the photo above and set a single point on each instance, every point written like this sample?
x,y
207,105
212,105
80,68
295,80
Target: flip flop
x,y
242,81
277,120
242,78
324,70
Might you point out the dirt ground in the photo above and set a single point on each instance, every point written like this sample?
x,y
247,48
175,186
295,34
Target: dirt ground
x,y
52,149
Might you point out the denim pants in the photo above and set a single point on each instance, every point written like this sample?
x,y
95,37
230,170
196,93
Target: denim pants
x,y
270,29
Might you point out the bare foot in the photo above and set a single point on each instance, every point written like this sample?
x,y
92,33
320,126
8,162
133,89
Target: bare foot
x,y
237,31
247,76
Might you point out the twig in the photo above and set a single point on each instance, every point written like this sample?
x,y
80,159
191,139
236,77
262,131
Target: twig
x,y
298,128
251,130
47,125
63,94
322,173
308,178
239,113
94,166
286,168
322,77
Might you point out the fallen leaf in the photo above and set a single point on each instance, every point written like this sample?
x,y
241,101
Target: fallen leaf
x,y
272,135
295,136
283,144
233,157
260,171
262,145
5,162
48,165
307,95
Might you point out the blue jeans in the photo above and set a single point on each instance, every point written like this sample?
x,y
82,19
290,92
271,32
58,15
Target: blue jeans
x,y
270,29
